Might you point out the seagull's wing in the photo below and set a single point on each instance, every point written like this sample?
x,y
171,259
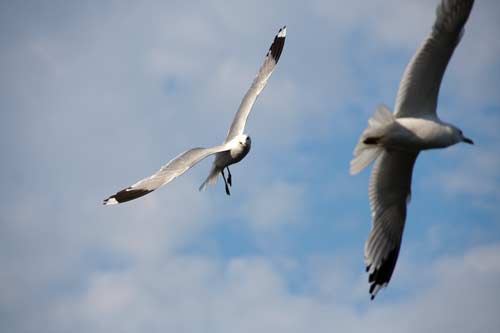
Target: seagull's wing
x,y
169,171
260,81
389,192
419,87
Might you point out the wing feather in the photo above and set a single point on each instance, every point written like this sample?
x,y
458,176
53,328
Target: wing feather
x,y
167,173
419,88
389,190
258,84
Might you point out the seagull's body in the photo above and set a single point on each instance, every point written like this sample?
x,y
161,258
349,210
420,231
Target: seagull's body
x,y
223,160
416,134
394,141
235,147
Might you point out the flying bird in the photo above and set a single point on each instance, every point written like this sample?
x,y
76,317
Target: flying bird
x,y
394,140
235,147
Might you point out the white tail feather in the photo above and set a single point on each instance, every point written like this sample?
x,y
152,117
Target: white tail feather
x,y
382,116
364,158
211,179
365,153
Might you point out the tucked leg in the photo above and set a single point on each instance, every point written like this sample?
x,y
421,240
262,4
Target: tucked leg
x,y
225,182
229,178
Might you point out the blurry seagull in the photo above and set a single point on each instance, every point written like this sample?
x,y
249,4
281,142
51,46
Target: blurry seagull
x,y
395,140
235,147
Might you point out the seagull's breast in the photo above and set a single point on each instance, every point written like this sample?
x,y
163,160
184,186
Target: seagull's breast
x,y
226,158
239,152
415,134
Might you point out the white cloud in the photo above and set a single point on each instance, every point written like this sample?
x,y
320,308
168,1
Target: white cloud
x,y
190,294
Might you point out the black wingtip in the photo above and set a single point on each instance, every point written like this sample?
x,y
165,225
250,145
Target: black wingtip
x,y
382,275
278,44
125,195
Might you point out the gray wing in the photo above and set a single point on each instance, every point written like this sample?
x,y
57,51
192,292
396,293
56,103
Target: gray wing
x,y
389,192
169,171
419,87
260,81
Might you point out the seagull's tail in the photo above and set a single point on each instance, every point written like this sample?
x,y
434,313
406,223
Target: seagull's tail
x,y
211,179
368,149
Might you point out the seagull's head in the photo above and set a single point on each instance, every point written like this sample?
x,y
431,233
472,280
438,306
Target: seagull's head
x,y
244,140
463,138
459,136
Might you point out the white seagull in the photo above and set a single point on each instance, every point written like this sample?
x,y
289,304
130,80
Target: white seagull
x,y
395,140
235,147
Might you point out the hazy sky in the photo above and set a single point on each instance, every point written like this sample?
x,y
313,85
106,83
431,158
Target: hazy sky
x,y
96,95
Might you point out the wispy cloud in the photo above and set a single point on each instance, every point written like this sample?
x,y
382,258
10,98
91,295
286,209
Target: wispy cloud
x,y
249,294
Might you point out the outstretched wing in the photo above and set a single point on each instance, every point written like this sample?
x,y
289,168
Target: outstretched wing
x,y
419,87
389,192
258,84
169,171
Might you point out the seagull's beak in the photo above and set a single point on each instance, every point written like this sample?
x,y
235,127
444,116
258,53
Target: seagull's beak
x,y
467,140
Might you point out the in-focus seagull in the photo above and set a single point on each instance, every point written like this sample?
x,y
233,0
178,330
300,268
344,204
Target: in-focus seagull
x,y
235,147
395,140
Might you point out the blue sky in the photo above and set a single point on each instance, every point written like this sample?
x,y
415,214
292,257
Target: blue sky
x,y
98,95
